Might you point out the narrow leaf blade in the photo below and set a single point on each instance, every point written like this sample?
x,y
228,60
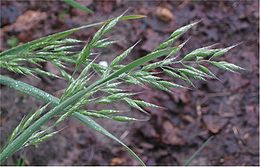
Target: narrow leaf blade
x,y
94,125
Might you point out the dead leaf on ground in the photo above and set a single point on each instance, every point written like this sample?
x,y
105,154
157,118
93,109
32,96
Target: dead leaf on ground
x,y
117,161
26,21
214,123
164,14
171,134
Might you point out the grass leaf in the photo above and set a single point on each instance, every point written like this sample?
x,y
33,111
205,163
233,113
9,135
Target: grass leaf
x,y
198,151
78,6
92,124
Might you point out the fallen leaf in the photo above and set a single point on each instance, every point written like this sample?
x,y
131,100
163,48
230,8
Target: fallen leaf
x,y
117,161
164,14
26,21
214,123
171,134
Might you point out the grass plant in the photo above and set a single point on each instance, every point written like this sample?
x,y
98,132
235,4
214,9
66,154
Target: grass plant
x,y
58,49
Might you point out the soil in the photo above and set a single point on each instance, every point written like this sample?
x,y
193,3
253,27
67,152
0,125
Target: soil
x,y
228,109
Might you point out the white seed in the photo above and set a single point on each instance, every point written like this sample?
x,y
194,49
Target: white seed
x,y
103,63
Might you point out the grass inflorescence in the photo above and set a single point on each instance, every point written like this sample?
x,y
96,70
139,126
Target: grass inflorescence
x,y
58,49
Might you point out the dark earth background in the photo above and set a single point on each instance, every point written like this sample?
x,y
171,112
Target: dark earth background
x,y
227,109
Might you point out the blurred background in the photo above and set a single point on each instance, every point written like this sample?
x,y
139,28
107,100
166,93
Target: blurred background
x,y
227,109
